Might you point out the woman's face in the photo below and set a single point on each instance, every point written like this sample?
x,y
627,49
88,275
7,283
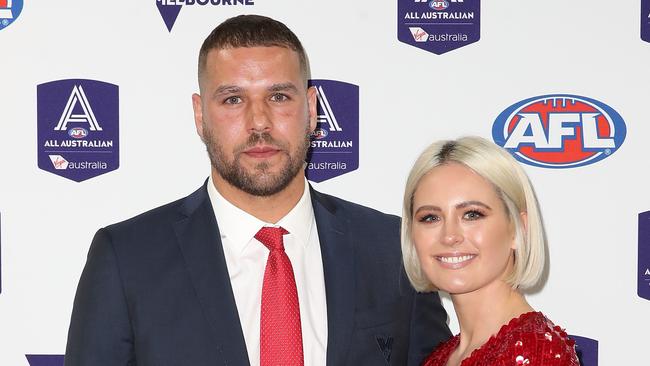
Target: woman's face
x,y
461,231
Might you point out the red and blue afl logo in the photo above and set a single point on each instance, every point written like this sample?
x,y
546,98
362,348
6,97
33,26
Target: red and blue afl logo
x,y
559,131
78,132
319,133
439,5
9,11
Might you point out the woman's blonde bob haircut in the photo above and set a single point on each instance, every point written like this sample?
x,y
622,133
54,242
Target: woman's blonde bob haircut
x,y
512,186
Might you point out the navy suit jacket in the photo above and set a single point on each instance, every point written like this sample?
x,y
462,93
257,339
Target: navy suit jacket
x,y
155,291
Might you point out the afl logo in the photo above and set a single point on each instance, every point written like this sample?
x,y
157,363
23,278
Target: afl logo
x,y
559,131
77,132
319,133
9,11
439,5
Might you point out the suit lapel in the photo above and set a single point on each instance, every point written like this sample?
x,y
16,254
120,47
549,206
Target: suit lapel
x,y
338,268
200,242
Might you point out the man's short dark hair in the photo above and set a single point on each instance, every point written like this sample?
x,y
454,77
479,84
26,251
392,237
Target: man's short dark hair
x,y
252,31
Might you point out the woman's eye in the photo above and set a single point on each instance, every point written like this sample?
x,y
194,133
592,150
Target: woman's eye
x,y
473,215
428,218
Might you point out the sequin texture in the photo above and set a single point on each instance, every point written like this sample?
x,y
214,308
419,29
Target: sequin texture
x,y
531,339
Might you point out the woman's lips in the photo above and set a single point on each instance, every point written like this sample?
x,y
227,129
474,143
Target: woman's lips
x,y
455,261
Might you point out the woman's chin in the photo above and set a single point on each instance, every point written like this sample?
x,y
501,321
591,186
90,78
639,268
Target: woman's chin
x,y
456,288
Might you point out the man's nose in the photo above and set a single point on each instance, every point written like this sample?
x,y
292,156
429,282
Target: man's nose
x,y
259,118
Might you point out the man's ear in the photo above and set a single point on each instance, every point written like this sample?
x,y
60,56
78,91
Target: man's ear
x,y
312,102
197,104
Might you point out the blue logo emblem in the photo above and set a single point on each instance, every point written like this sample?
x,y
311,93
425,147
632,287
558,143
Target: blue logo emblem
x,y
169,9
45,360
9,11
438,26
559,131
334,147
643,282
78,128
645,20
587,350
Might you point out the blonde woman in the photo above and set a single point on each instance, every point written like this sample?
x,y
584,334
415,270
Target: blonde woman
x,y
472,228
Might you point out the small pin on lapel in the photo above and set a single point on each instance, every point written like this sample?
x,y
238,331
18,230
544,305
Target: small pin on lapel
x,y
385,346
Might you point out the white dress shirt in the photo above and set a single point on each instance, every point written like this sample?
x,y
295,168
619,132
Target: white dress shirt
x,y
246,261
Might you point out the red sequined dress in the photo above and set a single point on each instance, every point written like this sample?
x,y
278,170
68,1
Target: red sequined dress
x,y
531,339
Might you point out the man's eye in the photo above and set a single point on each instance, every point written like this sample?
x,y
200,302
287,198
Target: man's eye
x,y
473,215
232,100
428,218
279,97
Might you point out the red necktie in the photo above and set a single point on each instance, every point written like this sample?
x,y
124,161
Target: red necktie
x,y
280,330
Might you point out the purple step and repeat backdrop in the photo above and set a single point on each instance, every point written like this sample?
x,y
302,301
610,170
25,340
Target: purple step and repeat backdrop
x,y
97,126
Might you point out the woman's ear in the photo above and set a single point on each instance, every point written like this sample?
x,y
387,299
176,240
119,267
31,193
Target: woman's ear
x,y
523,216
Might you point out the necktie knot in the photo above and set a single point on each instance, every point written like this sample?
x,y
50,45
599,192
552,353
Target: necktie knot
x,y
271,237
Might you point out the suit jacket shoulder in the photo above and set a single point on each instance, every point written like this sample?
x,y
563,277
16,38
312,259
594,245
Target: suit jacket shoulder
x,y
360,220
353,210
158,221
155,289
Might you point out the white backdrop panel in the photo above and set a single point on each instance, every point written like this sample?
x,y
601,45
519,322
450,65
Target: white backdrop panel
x,y
408,98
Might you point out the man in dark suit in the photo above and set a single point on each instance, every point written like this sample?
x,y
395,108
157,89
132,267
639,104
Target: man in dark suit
x,y
255,267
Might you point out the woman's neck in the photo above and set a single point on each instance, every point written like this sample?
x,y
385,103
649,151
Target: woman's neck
x,y
483,312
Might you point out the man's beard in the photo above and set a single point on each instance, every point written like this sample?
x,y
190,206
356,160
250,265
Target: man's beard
x,y
260,182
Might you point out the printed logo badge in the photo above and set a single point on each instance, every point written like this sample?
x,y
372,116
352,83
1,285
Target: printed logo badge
x,y
438,26
643,282
645,20
587,350
45,360
419,35
335,141
9,11
78,128
169,9
559,131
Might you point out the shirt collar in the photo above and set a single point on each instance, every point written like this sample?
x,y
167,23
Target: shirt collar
x,y
240,227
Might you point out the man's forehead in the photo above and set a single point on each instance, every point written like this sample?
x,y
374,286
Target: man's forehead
x,y
251,53
260,65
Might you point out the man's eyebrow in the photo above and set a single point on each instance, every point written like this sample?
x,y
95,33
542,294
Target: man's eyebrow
x,y
283,87
227,89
